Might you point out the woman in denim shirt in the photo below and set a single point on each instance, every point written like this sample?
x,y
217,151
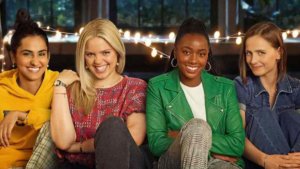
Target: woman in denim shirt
x,y
269,100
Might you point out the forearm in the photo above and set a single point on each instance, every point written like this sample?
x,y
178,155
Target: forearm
x,y
136,124
62,127
20,115
254,154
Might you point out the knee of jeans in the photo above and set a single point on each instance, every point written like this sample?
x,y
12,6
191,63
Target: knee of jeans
x,y
197,127
111,125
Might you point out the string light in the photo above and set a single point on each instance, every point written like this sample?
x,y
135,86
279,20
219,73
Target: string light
x,y
154,52
284,35
81,29
39,23
295,33
127,34
148,42
217,34
238,40
138,38
172,36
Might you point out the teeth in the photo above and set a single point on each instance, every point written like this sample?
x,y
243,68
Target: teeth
x,y
34,69
192,68
101,69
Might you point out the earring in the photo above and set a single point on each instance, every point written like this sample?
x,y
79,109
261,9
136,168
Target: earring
x,y
118,63
86,67
172,62
13,65
209,67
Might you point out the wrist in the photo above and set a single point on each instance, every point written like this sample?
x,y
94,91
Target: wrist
x,y
81,148
22,118
59,83
264,160
59,89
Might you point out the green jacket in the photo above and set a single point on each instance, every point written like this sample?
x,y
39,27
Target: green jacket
x,y
167,109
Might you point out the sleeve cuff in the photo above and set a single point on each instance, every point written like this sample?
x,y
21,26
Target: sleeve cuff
x,y
242,106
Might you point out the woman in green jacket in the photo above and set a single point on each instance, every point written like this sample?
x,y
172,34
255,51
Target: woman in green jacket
x,y
193,118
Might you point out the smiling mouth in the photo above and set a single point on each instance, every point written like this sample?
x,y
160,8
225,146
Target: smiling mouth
x,y
255,67
101,69
191,69
34,69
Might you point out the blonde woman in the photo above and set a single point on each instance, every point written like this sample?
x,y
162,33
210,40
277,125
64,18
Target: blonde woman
x,y
102,111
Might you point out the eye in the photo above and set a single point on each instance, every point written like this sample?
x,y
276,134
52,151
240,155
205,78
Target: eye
x,y
186,52
247,53
202,54
42,54
105,53
89,54
26,53
261,53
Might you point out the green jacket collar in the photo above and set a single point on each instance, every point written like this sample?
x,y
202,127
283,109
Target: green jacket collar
x,y
213,99
174,83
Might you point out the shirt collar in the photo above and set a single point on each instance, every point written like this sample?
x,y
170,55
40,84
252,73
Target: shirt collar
x,y
282,86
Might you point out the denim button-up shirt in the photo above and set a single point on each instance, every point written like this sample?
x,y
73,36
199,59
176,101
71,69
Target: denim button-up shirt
x,y
254,97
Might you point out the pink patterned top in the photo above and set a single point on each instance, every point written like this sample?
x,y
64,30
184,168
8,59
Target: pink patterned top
x,y
121,100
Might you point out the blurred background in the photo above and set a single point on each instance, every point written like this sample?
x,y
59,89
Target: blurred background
x,y
148,28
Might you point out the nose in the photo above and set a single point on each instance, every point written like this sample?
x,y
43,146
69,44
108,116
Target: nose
x,y
34,61
193,58
253,59
98,59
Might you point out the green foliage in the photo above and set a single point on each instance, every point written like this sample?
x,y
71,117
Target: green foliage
x,y
54,13
160,13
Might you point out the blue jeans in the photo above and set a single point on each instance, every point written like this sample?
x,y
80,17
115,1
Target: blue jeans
x,y
273,133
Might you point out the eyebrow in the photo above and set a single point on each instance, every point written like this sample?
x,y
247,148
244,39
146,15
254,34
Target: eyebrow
x,y
26,50
192,48
98,51
256,50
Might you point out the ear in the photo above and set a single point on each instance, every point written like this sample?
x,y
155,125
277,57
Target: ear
x,y
279,53
12,57
174,53
49,56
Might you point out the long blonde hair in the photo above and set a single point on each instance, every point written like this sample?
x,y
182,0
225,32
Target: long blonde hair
x,y
84,93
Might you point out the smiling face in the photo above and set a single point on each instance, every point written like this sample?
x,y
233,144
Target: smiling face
x,y
191,53
101,59
261,57
31,58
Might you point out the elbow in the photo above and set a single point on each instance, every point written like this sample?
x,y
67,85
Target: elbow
x,y
139,141
62,145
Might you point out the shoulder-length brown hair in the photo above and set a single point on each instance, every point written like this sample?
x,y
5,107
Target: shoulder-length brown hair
x,y
271,33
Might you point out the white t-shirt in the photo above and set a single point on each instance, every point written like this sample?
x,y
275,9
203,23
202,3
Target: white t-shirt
x,y
196,100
